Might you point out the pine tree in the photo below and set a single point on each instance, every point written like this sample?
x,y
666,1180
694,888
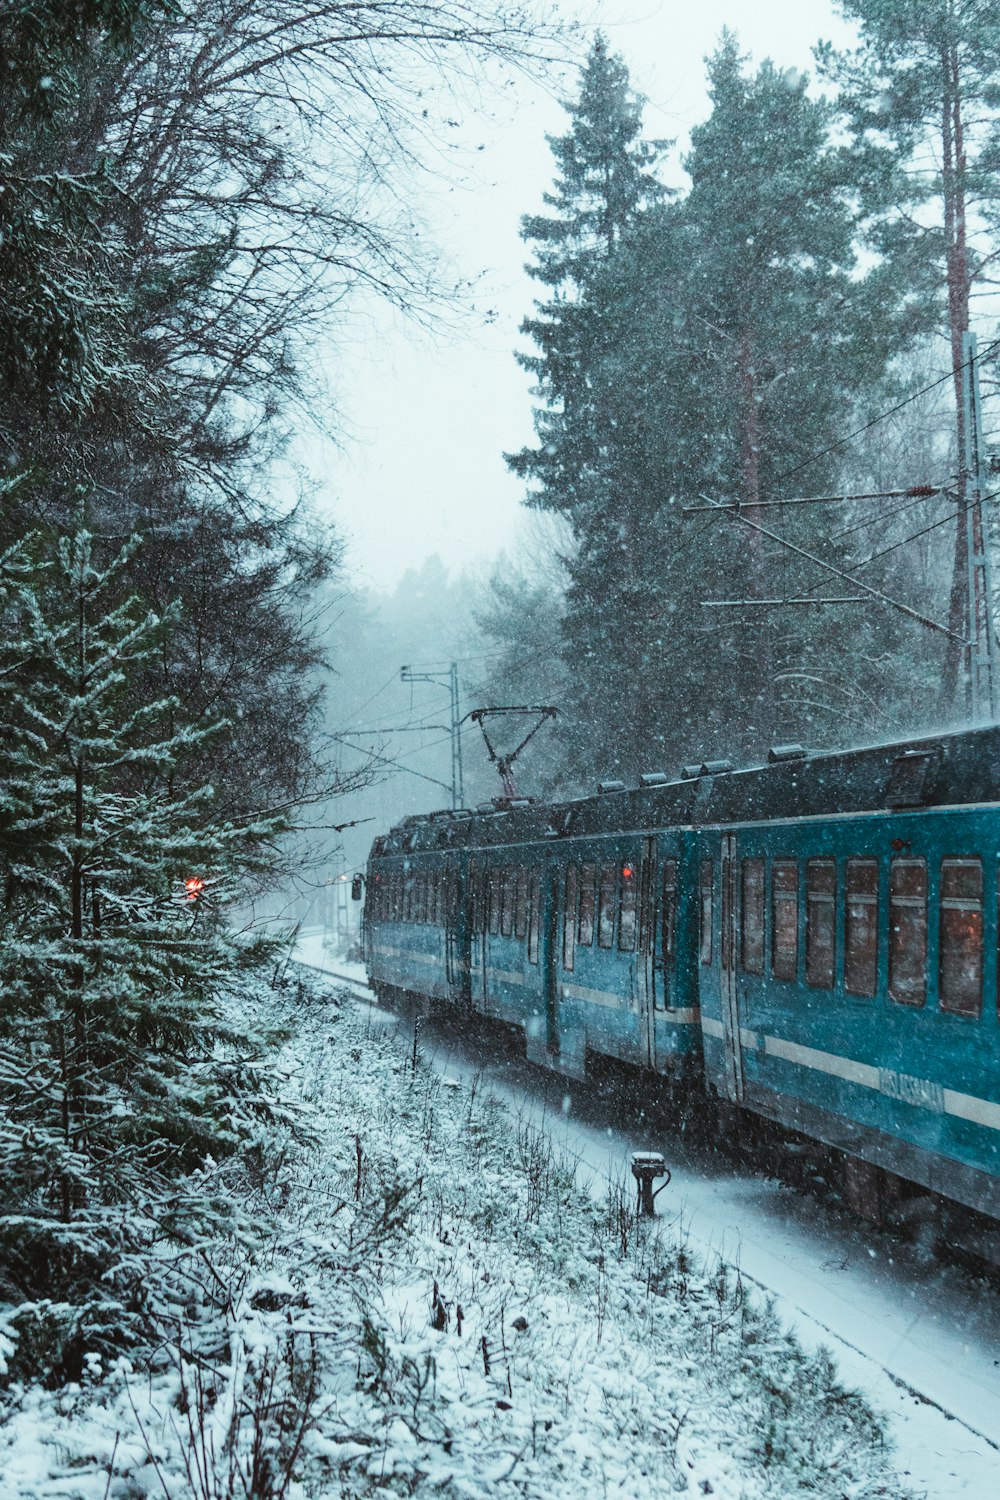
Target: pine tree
x,y
920,94
119,1075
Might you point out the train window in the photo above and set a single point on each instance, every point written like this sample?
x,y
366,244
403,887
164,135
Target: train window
x,y
821,922
493,890
507,879
521,902
585,928
785,918
960,943
570,915
627,904
908,931
705,911
752,934
534,914
861,927
606,907
668,918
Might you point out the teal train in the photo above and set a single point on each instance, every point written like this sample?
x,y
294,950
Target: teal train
x,y
813,941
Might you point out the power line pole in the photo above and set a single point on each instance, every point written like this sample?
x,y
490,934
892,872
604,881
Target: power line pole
x,y
449,680
981,650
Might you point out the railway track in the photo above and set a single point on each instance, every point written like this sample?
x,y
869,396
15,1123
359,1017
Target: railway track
x,y
922,1339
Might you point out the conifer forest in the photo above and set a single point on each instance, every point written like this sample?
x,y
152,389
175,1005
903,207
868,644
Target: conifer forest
x,y
744,484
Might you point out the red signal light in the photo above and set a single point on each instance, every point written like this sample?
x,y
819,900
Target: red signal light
x,y
628,872
194,886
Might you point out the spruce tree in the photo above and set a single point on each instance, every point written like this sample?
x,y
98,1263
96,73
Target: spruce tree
x,y
119,1074
604,182
588,465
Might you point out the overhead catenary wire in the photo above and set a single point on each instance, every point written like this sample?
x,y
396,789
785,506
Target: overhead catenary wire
x,y
914,614
387,760
862,525
918,492
882,417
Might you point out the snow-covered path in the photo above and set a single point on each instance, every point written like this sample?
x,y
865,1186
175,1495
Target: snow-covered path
x,y
921,1340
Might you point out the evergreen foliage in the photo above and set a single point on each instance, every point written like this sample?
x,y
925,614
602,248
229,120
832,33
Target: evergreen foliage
x,y
604,181
920,95
713,349
119,1077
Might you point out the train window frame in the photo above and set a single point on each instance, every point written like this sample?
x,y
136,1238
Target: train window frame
x,y
784,899
753,903
607,905
907,902
587,921
824,977
628,910
861,959
706,912
534,913
668,913
521,902
957,903
570,915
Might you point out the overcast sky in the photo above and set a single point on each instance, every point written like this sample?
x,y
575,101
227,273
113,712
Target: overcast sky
x,y
430,418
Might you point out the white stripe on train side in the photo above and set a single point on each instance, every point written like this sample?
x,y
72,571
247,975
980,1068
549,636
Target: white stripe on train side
x,y
923,1093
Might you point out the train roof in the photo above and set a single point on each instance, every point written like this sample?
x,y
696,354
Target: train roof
x,y
941,770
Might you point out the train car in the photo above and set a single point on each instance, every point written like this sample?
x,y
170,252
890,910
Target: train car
x,y
813,941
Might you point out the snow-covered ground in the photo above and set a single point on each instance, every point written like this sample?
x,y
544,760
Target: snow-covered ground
x,y
921,1340
439,1301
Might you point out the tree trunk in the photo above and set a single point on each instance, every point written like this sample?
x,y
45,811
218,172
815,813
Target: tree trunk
x,y
955,682
759,659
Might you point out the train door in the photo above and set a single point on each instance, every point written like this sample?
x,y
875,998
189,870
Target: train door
x,y
544,916
476,927
491,925
452,934
459,911
646,975
728,957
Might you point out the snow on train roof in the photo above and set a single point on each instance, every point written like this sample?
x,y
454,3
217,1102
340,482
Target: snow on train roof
x,y
936,770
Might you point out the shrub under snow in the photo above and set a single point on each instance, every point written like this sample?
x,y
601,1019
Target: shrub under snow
x,y
438,1306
